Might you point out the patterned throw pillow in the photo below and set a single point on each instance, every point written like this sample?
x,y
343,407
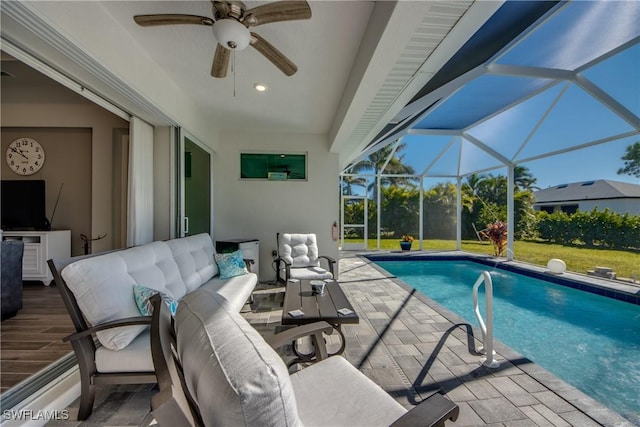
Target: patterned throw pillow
x,y
231,265
142,294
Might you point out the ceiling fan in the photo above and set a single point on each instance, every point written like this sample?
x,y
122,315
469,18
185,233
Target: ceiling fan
x,y
231,21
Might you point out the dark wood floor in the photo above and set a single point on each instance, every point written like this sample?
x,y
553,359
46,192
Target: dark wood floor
x,y
32,339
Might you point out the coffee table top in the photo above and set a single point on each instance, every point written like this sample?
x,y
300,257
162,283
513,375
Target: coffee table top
x,y
316,307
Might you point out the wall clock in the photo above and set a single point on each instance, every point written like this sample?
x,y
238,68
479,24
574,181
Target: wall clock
x,y
25,156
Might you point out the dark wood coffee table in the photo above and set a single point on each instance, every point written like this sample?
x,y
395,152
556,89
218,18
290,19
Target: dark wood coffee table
x,y
299,296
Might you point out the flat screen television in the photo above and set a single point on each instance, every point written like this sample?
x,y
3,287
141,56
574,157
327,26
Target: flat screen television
x,y
24,205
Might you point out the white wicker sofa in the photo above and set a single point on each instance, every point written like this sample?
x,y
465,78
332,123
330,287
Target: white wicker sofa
x,y
98,293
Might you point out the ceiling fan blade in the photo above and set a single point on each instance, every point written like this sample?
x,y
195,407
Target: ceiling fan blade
x,y
220,8
274,55
171,19
220,62
277,11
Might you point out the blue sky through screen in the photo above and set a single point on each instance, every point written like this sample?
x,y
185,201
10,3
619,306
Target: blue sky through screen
x,y
563,116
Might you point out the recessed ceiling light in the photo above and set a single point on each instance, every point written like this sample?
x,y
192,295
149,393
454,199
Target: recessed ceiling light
x,y
260,87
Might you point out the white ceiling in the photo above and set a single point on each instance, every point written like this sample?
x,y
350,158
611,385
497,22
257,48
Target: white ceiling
x,y
323,48
359,62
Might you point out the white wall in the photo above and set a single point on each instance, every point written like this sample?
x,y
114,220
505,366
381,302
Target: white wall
x,y
102,124
260,209
622,206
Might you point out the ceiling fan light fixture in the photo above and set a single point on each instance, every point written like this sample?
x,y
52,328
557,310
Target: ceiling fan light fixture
x,y
231,34
260,87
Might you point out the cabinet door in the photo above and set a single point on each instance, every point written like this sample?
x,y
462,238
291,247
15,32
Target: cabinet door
x,y
32,260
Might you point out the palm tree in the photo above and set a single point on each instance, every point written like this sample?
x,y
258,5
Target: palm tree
x,y
377,160
473,183
523,178
349,181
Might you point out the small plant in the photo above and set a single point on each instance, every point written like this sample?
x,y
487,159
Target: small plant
x,y
496,232
406,242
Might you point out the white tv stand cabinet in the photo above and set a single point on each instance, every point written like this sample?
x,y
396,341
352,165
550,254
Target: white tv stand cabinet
x,y
40,246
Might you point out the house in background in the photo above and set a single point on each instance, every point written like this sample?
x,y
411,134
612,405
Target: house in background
x,y
621,197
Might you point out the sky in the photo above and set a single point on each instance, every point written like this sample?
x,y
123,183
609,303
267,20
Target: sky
x,y
600,162
563,116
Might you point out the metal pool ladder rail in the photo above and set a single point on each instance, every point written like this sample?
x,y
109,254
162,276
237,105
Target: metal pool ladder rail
x,y
487,330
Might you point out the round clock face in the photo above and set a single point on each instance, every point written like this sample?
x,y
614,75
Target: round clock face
x,y
25,156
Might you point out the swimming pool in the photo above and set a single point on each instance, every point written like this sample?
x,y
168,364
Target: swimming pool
x,y
589,341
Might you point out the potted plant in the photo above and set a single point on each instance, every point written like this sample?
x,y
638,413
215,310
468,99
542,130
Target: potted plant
x,y
497,234
405,242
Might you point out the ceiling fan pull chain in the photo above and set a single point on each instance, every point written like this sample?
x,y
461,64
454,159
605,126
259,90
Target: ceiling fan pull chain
x,y
233,70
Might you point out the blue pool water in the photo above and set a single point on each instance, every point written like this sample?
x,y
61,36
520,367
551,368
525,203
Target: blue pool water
x,y
589,341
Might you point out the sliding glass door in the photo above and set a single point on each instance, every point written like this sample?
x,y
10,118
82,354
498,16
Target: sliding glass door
x,y
196,185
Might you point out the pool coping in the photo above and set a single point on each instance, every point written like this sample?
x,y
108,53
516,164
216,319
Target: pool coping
x,y
603,287
591,407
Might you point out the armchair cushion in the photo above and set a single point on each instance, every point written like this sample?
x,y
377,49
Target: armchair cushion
x,y
299,250
298,258
310,273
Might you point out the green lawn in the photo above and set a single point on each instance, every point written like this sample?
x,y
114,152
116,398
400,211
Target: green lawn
x,y
624,263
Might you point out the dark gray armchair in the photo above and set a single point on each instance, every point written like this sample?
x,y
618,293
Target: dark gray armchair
x,y
11,277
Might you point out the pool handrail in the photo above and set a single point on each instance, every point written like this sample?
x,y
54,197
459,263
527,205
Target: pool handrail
x,y
487,330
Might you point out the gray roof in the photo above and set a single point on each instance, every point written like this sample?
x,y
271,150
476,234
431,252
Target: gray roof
x,y
588,190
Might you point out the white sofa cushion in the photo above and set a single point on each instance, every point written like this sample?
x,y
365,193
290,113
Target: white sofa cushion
x,y
103,286
194,256
234,376
300,250
135,357
334,393
235,291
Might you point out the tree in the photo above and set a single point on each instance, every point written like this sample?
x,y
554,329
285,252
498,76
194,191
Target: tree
x,y
400,210
440,202
523,178
473,182
631,161
349,181
489,202
376,161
